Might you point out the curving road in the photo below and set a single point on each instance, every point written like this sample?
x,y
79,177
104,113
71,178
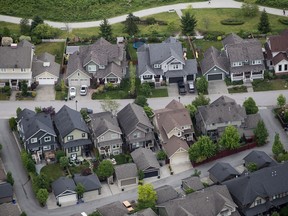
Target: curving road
x,y
146,12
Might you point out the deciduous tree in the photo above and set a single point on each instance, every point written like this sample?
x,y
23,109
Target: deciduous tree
x,y
188,24
110,105
132,79
42,196
230,138
277,147
149,112
261,133
192,109
24,26
249,9
80,190
105,169
106,30
202,85
250,106
264,24
64,162
145,89
252,167
44,31
281,100
36,21
201,100
147,196
202,149
141,100
9,178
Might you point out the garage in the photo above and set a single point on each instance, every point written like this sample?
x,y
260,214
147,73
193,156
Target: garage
x,y
128,182
190,77
46,81
215,77
181,157
67,199
175,79
79,82
150,174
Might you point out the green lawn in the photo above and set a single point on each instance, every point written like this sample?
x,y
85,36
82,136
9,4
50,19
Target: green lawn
x,y
53,171
122,158
159,92
77,169
237,89
270,85
61,95
132,52
203,45
14,28
56,49
4,96
112,94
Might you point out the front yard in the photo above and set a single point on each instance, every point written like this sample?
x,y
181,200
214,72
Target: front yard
x,y
237,89
270,85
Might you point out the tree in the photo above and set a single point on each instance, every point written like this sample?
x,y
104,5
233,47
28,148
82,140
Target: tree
x,y
230,138
147,196
141,100
277,147
42,196
161,155
59,154
145,89
202,149
9,178
64,162
42,181
44,31
105,169
200,100
141,175
110,105
275,214
80,189
96,213
106,30
23,214
188,24
132,79
18,110
24,26
192,109
38,109
149,112
84,114
28,162
130,26
23,37
171,27
36,21
249,9
24,88
261,133
252,167
13,123
250,106
202,85
264,25
281,100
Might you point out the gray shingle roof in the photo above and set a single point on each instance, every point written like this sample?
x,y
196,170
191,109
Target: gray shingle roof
x,y
66,120
6,190
125,171
90,182
144,158
231,39
145,212
260,158
132,115
194,183
166,193
62,184
71,49
38,67
223,171
115,209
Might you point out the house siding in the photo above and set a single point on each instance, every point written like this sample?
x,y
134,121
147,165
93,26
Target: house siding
x,y
77,135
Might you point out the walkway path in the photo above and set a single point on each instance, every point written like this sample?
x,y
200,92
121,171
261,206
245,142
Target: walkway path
x,y
147,12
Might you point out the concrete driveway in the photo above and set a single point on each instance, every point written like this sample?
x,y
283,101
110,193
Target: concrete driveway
x,y
217,87
45,93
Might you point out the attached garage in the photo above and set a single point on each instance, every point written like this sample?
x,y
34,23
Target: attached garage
x,y
126,175
190,77
128,181
151,174
46,78
175,79
78,78
179,157
64,190
212,77
71,198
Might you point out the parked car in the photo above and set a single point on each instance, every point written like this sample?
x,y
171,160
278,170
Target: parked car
x,y
128,205
72,92
181,88
191,87
83,90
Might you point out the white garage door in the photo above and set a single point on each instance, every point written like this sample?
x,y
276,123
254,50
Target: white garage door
x,y
67,199
79,82
179,158
46,81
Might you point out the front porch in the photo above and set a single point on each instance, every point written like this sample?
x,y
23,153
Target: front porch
x,y
249,75
156,79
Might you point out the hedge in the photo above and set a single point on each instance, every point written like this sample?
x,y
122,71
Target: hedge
x,y
283,21
232,21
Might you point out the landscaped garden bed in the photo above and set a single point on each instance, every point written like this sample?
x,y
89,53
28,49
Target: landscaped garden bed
x,y
237,89
29,96
5,93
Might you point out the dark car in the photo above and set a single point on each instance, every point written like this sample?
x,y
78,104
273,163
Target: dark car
x,y
181,88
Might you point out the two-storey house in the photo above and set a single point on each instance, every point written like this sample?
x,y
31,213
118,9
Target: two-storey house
x,y
136,126
276,53
73,133
37,133
16,64
246,59
102,61
175,128
165,61
106,133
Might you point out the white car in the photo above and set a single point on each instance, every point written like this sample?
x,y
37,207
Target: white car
x,y
83,90
72,92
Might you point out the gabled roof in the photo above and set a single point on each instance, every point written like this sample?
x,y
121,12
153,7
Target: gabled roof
x,y
38,67
222,171
125,171
90,182
63,184
194,183
6,190
144,158
71,49
231,39
115,209
66,120
144,212
173,144
278,43
260,158
132,115
166,193
103,122
279,57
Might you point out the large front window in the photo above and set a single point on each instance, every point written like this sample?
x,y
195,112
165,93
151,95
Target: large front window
x,y
256,62
145,77
73,149
237,64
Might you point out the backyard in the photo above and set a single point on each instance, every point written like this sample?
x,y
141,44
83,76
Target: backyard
x,y
56,49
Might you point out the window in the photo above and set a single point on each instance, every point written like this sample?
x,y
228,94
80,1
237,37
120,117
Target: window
x,y
285,67
236,64
33,140
156,66
73,149
258,202
47,139
116,153
114,136
135,135
118,146
91,68
101,66
23,70
114,146
83,134
256,62
3,70
45,148
280,68
69,138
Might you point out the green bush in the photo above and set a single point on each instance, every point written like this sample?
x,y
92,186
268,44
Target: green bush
x,y
213,35
58,87
232,21
13,124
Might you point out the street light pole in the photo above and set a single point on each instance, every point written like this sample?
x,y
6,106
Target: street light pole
x,y
76,104
179,99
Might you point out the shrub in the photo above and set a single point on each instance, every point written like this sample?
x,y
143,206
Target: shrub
x,y
13,124
150,21
140,174
213,35
283,21
232,21
33,94
161,155
57,87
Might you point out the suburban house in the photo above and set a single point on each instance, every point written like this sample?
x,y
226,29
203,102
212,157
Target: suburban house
x,y
102,61
73,133
16,64
166,193
6,193
175,128
246,59
146,161
126,175
260,190
192,183
221,172
37,133
106,133
64,191
276,53
211,201
215,64
136,126
45,70
212,119
260,158
115,209
165,61
91,184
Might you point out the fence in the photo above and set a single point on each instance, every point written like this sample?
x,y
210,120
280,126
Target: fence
x,y
53,40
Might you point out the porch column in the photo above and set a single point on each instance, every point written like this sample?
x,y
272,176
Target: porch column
x,y
185,79
161,78
167,80
251,75
232,78
105,80
10,84
141,78
29,83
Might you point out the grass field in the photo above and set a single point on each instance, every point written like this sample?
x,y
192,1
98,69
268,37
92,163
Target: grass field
x,y
270,85
56,49
14,28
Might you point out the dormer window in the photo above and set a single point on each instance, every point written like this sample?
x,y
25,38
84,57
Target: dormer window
x,y
237,64
91,68
33,140
101,66
256,62
157,66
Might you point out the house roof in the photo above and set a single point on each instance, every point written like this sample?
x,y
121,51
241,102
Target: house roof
x,y
125,171
260,158
231,39
132,115
66,120
279,57
115,209
264,183
71,49
16,57
279,43
144,212
166,193
90,182
222,171
207,202
102,122
173,144
144,158
194,183
38,65
251,121
62,184
6,190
